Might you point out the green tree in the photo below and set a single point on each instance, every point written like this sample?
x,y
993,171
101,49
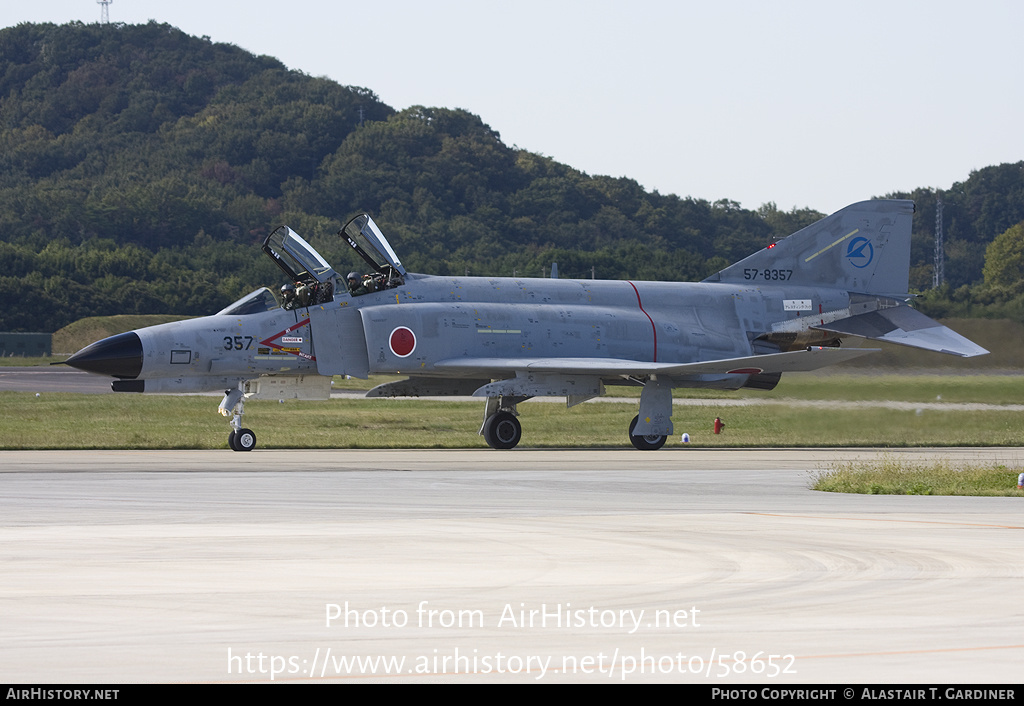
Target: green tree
x,y
1004,260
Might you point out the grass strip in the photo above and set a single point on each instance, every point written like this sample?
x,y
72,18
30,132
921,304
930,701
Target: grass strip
x,y
896,476
127,421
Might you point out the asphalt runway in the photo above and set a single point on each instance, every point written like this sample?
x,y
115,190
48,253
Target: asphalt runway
x,y
52,378
683,565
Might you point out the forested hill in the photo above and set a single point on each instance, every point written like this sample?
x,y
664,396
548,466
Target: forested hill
x,y
140,168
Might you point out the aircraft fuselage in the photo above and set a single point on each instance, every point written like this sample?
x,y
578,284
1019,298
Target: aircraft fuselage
x,y
410,329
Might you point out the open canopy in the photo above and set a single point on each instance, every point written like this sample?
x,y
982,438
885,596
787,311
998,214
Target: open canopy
x,y
297,258
366,239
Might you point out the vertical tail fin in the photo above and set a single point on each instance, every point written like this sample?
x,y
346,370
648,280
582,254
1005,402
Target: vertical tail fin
x,y
863,248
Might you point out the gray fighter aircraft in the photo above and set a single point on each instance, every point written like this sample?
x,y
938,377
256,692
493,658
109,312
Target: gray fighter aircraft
x,y
785,308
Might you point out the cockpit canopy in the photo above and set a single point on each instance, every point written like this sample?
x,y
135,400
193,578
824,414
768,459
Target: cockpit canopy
x,y
366,239
297,258
313,281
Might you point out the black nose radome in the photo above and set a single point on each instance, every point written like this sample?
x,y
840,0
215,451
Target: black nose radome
x,y
119,356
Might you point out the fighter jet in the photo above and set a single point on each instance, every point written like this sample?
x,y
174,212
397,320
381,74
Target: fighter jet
x,y
785,308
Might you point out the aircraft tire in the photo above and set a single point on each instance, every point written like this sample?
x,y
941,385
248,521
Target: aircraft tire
x,y
651,442
502,431
231,441
244,440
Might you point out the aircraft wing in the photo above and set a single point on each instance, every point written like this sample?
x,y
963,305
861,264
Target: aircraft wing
x,y
907,327
793,361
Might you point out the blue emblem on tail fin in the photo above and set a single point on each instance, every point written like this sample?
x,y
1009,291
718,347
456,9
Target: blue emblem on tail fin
x,y
860,252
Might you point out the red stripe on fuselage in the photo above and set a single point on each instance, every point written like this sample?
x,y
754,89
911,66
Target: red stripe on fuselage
x,y
653,329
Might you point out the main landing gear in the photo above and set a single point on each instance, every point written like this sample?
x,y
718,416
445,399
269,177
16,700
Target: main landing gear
x,y
651,442
502,431
233,405
501,428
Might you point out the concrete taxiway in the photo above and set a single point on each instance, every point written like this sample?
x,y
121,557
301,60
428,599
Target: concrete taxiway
x,y
711,567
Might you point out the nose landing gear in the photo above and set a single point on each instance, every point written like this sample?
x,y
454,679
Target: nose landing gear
x,y
233,405
242,440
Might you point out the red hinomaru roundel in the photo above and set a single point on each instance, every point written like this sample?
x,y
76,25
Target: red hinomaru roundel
x,y
402,342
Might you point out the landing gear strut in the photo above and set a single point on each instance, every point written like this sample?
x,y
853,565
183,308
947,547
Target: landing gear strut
x,y
233,405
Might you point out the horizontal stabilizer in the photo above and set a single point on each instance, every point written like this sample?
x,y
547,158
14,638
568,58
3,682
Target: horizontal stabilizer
x,y
792,361
907,327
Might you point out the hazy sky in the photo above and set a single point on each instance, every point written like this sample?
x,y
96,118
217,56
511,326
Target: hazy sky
x,y
813,103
